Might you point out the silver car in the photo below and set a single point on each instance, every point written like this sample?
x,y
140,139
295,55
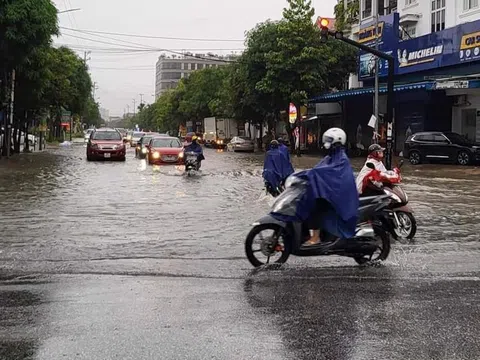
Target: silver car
x,y
241,143
136,136
88,132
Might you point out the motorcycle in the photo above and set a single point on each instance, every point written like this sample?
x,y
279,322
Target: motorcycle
x,y
287,238
400,222
191,162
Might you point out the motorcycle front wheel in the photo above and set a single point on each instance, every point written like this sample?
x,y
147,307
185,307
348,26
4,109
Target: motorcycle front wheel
x,y
408,226
383,248
271,247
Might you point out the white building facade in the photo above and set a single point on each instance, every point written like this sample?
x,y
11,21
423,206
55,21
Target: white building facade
x,y
171,69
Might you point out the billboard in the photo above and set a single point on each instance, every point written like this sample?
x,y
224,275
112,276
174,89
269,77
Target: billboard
x,y
452,46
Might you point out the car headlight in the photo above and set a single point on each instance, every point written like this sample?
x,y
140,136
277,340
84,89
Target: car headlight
x,y
156,155
144,150
181,155
94,146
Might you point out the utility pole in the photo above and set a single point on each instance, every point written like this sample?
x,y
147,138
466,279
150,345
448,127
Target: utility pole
x,y
134,103
85,54
141,99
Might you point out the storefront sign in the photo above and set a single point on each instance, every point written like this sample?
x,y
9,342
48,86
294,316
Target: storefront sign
x,y
450,47
464,84
292,113
385,35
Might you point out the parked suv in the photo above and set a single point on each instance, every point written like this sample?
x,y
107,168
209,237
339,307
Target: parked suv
x,y
106,143
441,146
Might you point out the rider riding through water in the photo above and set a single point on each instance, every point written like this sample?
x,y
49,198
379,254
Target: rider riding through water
x,y
195,147
331,200
283,148
365,178
276,169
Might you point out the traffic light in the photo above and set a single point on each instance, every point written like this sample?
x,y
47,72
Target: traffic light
x,y
324,29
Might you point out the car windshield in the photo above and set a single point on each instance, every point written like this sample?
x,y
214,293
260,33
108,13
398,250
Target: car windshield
x,y
146,139
107,135
166,143
458,139
89,131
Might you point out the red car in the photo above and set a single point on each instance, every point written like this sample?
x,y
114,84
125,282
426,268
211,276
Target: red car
x,y
165,150
105,143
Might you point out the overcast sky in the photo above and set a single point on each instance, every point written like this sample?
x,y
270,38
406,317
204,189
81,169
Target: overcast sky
x,y
121,75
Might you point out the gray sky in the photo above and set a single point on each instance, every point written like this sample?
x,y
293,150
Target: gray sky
x,y
121,75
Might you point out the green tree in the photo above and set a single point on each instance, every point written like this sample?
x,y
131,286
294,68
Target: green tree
x,y
287,62
25,26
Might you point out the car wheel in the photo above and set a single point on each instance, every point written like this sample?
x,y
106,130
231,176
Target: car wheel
x,y
415,158
89,158
463,158
123,158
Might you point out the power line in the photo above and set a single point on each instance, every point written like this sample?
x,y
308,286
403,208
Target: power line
x,y
91,47
216,59
153,37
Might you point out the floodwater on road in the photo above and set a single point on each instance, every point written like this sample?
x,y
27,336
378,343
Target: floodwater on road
x,y
87,248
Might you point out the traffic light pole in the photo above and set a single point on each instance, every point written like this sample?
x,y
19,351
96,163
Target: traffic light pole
x,y
390,92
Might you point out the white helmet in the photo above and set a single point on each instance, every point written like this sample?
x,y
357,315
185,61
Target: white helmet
x,y
334,136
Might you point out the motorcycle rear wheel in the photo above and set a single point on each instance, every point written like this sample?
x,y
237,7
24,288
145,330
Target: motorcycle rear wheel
x,y
383,239
268,245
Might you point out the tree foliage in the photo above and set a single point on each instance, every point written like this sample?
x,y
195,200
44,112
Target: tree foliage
x,y
47,79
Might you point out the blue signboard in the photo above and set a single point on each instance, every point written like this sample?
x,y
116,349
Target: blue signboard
x,y
387,33
453,46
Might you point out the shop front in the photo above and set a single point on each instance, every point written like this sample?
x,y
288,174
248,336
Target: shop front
x,y
437,83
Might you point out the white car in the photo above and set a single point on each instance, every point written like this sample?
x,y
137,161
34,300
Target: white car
x,y
32,139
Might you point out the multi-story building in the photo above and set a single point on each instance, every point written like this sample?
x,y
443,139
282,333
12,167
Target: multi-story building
x,y
104,114
436,46
170,69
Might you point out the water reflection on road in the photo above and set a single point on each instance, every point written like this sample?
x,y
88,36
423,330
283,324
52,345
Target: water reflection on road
x,y
62,215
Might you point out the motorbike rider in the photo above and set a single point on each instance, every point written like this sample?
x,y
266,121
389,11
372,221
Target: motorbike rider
x,y
331,200
195,147
366,177
276,168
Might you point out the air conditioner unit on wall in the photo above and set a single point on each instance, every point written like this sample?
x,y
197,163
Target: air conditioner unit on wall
x,y
460,100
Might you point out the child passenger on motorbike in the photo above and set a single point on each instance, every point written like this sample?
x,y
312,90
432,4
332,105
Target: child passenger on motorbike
x,y
367,176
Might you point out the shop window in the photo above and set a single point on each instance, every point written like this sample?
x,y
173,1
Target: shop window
x,y
438,15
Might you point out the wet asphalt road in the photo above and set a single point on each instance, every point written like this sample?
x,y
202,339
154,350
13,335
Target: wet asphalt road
x,y
126,261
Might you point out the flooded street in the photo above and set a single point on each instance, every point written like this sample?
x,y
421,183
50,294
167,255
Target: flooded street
x,y
128,261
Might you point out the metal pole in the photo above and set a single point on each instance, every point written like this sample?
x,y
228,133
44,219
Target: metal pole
x,y
71,127
376,76
390,105
8,130
141,99
134,102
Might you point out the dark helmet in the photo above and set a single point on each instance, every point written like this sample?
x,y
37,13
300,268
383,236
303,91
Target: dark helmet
x,y
280,140
274,144
374,148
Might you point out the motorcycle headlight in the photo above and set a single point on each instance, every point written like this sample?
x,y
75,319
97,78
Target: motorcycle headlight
x,y
156,155
144,150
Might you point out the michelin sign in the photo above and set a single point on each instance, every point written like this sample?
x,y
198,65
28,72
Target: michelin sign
x,y
450,47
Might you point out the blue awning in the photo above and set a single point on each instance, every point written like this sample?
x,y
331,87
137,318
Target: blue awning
x,y
340,95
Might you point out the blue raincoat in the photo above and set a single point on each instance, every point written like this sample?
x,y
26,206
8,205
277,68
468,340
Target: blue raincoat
x,y
276,167
331,179
196,148
284,149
